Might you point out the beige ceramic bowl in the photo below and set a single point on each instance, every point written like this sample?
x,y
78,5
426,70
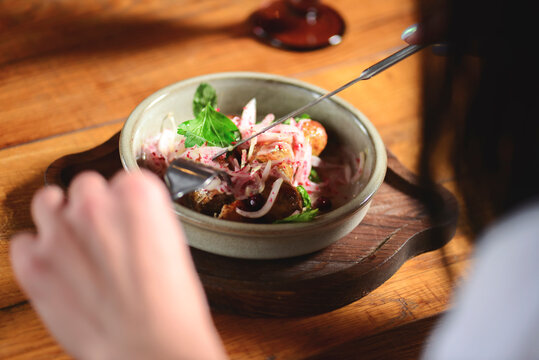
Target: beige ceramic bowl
x,y
278,95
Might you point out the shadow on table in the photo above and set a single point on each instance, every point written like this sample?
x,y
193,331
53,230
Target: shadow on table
x,y
61,27
15,211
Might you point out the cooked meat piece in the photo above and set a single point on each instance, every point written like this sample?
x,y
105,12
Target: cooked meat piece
x,y
275,152
281,155
316,135
287,202
285,169
228,212
206,202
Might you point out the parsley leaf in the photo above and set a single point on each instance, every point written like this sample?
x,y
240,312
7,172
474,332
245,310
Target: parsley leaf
x,y
300,117
205,94
313,176
209,126
304,196
305,216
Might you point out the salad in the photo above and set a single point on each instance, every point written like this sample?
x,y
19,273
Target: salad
x,y
277,176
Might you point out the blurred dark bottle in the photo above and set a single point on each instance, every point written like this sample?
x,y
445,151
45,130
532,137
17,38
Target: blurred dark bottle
x,y
300,25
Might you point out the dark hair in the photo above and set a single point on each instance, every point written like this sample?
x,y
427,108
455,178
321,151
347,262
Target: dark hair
x,y
481,105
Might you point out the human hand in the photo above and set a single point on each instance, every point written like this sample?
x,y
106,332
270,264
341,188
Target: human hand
x,y
431,31
110,274
426,34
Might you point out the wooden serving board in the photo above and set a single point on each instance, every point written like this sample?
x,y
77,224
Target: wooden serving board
x,y
395,229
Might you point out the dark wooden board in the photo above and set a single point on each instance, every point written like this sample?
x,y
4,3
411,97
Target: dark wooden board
x,y
396,228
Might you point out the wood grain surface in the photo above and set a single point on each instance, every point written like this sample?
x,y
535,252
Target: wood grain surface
x,y
71,70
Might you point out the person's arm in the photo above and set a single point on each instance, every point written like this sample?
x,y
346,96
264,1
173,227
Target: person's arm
x,y
495,314
110,274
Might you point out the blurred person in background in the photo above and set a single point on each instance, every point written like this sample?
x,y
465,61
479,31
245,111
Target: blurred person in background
x,y
481,116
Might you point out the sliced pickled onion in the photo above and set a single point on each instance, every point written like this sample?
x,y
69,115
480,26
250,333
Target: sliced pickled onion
x,y
266,171
359,169
248,116
267,120
251,148
315,160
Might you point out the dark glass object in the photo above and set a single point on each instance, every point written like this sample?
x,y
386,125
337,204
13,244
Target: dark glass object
x,y
297,25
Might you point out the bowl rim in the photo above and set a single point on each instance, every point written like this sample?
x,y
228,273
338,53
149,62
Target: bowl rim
x,y
266,230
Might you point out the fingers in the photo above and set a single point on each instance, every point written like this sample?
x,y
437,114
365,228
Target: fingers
x,y
155,234
418,34
145,202
432,30
45,207
57,301
26,265
89,213
140,185
85,191
113,248
413,34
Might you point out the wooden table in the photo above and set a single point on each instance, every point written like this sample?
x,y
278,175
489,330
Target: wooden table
x,y
71,71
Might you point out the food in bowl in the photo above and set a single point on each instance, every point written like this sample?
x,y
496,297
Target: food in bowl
x,y
347,128
279,176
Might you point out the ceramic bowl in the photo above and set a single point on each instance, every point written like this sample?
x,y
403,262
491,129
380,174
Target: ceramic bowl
x,y
278,95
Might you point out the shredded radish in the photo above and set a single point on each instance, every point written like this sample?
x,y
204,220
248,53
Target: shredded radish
x,y
359,168
236,164
266,172
243,158
248,116
215,184
272,137
267,120
251,148
267,206
315,160
265,175
169,123
255,169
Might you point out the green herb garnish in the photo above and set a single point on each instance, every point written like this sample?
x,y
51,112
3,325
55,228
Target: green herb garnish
x,y
209,126
313,176
303,116
305,216
205,94
304,196
300,117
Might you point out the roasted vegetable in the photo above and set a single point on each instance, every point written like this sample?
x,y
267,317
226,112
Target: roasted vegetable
x,y
206,202
315,134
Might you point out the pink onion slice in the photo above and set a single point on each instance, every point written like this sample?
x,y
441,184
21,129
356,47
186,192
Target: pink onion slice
x,y
248,116
315,161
